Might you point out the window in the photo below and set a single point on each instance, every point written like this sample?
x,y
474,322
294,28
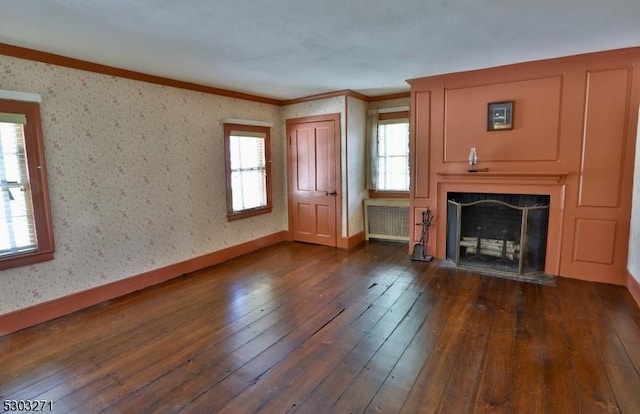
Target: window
x,y
390,153
26,234
248,164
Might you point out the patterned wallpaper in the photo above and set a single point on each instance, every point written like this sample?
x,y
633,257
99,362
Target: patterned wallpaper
x,y
634,239
357,165
136,178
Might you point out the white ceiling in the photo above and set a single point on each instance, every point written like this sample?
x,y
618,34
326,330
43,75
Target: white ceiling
x,y
287,49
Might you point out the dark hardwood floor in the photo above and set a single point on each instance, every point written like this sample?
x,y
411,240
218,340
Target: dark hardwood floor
x,y
309,329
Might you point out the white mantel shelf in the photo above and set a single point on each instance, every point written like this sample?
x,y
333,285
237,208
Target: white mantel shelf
x,y
503,177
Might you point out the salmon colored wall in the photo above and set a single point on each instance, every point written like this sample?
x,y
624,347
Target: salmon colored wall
x,y
573,138
537,103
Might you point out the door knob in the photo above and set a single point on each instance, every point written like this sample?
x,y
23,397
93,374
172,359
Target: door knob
x,y
333,193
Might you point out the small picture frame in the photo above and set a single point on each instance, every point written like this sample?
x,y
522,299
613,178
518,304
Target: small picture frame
x,y
500,116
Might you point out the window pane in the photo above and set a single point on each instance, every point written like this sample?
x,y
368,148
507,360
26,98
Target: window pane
x,y
17,226
393,156
248,174
397,174
248,189
394,139
246,152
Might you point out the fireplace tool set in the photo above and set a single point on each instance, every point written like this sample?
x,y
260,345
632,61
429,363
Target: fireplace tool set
x,y
420,249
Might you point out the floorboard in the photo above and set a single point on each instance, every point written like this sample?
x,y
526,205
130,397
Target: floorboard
x,y
298,328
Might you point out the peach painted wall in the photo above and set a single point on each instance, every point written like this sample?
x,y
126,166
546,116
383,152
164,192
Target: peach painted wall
x,y
574,117
136,178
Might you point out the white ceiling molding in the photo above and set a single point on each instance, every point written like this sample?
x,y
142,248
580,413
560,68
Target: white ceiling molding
x,y
20,96
248,122
388,110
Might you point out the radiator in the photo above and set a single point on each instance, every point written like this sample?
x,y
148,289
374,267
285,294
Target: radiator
x,y
386,219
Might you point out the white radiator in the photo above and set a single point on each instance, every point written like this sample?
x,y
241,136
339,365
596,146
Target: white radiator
x,y
386,218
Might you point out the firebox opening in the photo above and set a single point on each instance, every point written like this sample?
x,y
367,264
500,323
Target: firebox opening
x,y
499,232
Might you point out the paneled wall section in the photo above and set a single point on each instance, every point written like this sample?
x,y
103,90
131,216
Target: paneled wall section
x,y
574,118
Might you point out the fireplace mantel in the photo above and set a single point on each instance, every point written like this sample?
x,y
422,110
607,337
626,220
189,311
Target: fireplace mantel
x,y
503,177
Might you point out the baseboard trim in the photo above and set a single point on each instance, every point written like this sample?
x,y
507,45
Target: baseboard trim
x,y
349,242
33,315
634,287
356,239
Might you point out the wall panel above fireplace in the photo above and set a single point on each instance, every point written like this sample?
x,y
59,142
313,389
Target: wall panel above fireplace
x,y
534,137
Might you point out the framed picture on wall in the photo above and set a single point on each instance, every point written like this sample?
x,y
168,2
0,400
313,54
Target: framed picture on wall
x,y
500,116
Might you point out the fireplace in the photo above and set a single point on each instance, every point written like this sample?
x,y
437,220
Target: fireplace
x,y
506,233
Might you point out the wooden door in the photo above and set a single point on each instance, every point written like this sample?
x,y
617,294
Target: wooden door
x,y
313,181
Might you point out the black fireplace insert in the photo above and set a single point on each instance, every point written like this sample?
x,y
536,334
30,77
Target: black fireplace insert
x,y
498,232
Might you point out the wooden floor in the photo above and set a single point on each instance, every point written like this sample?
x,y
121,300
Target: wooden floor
x,y
309,329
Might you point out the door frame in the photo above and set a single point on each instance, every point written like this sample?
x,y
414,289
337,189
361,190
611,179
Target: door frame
x,y
290,123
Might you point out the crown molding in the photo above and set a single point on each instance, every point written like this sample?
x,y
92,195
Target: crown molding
x,y
59,60
527,65
326,95
390,96
346,93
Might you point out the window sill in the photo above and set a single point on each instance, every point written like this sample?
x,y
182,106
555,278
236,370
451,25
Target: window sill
x,y
388,194
248,213
25,259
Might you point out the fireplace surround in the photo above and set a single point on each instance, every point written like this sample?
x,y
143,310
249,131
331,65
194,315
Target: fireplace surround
x,y
551,185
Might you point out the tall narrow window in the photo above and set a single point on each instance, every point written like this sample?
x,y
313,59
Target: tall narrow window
x,y
248,163
391,153
25,221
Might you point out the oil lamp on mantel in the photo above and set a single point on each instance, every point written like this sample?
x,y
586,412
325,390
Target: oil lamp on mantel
x,y
473,159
